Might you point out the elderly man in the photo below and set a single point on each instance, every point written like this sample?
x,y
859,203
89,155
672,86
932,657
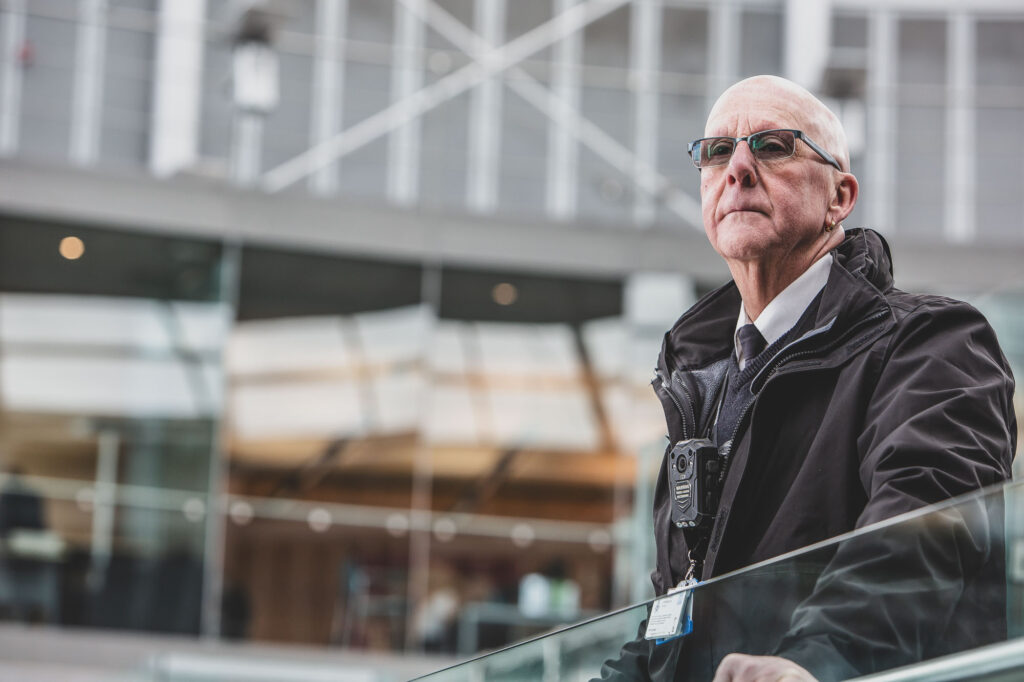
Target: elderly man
x,y
833,399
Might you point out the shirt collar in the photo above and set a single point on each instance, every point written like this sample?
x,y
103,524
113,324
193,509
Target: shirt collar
x,y
784,311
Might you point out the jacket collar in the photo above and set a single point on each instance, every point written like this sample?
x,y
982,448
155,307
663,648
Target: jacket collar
x,y
860,276
861,273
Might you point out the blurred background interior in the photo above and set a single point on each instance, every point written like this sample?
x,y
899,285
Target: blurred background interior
x,y
326,326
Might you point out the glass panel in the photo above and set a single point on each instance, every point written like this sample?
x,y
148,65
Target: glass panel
x,y
444,152
111,392
920,123
325,366
523,171
999,171
849,30
526,479
286,131
682,102
367,91
930,585
761,46
1000,51
922,52
605,192
920,168
215,102
684,37
127,92
47,87
100,554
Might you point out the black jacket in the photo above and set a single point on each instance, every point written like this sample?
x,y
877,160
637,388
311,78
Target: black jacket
x,y
890,401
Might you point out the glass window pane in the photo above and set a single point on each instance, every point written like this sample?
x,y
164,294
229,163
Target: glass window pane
x,y
111,387
761,46
922,52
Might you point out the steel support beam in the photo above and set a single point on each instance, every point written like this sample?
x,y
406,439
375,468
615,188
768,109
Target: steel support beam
x,y
328,88
246,147
87,102
563,147
724,47
645,64
960,122
881,161
177,85
485,115
406,81
10,97
807,41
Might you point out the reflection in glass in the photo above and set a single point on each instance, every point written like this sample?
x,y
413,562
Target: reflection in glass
x,y
932,585
110,395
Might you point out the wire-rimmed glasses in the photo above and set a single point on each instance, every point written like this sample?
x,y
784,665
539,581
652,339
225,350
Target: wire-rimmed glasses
x,y
765,145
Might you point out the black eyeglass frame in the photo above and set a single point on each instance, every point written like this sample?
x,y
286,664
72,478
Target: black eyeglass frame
x,y
797,134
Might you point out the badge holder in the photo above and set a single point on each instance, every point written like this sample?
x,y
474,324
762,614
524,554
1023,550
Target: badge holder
x,y
672,616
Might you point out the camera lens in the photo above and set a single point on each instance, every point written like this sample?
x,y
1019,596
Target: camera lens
x,y
683,462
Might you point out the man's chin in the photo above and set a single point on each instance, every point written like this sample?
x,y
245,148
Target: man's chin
x,y
743,236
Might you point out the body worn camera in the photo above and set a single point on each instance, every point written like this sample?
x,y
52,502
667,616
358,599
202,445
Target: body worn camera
x,y
693,471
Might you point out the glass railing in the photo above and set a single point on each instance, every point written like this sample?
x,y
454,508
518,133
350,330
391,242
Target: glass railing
x,y
100,555
936,594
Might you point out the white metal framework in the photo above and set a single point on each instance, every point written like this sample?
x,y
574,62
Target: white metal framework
x,y
13,38
490,60
90,61
328,87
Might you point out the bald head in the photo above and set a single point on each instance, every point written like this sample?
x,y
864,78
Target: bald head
x,y
778,99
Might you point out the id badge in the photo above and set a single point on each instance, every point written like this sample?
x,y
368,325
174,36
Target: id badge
x,y
672,615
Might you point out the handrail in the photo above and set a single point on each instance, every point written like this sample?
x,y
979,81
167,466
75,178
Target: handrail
x,y
971,665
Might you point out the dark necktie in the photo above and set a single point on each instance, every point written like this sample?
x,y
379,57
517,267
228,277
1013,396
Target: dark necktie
x,y
751,342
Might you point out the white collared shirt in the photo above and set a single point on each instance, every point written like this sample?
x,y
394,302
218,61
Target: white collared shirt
x,y
784,311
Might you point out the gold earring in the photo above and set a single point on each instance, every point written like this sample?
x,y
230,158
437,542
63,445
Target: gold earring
x,y
831,226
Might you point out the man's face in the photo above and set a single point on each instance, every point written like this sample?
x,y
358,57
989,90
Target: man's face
x,y
763,211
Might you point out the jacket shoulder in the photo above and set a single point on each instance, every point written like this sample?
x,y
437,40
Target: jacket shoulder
x,y
944,326
906,304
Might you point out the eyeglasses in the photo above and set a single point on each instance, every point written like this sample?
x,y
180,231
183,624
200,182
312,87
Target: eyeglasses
x,y
766,145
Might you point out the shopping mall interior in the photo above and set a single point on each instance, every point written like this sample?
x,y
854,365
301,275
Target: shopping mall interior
x,y
327,326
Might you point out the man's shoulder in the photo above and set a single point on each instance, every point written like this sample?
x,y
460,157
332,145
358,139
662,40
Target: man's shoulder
x,y
942,324
905,304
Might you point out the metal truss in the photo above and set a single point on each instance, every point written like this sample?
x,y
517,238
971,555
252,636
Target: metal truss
x,y
489,61
563,114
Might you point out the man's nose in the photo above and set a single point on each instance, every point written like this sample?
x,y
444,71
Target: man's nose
x,y
741,166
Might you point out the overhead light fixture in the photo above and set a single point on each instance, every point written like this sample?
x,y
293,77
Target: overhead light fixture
x,y
319,519
523,535
241,512
72,248
445,529
194,509
504,293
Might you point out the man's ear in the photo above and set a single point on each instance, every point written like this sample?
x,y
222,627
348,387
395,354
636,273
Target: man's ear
x,y
847,191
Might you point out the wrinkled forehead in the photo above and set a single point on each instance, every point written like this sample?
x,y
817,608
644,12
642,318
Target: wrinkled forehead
x,y
742,110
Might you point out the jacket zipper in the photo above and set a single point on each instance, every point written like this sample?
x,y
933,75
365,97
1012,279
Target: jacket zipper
x,y
777,361
689,401
679,407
